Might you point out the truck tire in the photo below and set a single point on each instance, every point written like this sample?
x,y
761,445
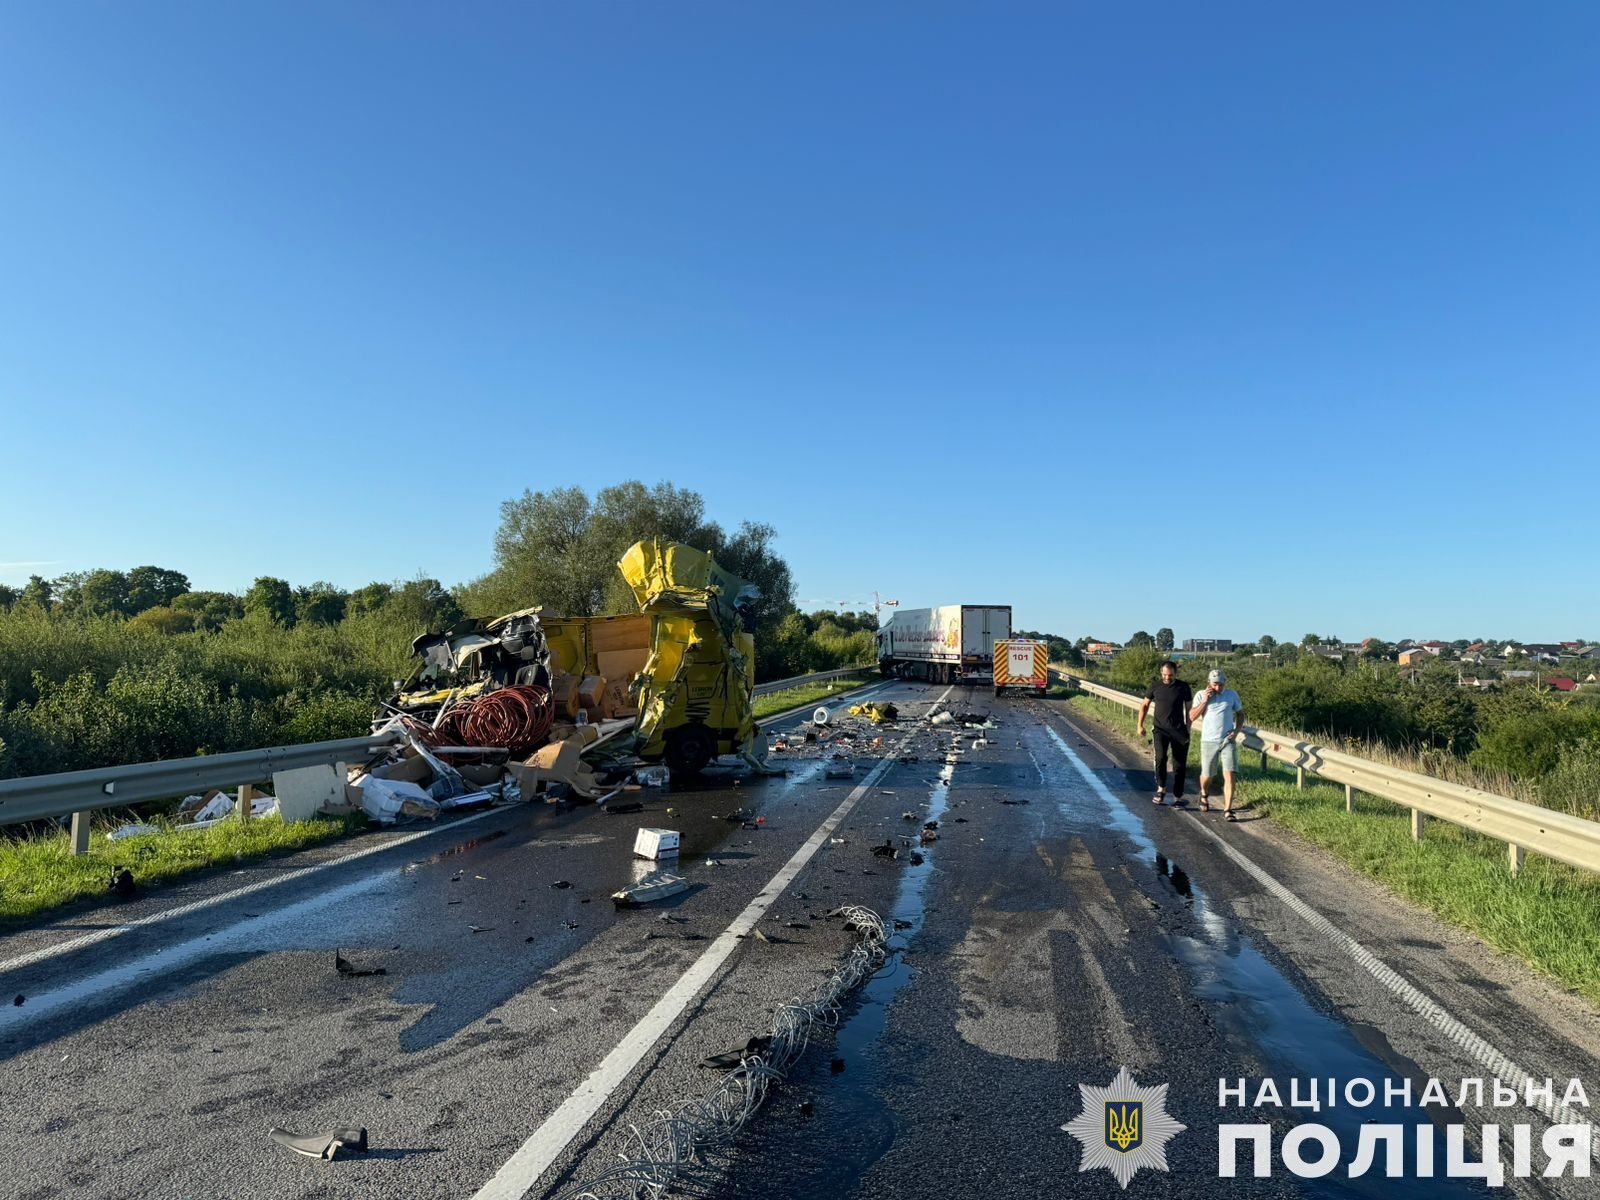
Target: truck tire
x,y
689,749
998,690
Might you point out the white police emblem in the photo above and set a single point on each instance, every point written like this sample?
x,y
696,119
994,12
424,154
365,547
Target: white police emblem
x,y
1124,1127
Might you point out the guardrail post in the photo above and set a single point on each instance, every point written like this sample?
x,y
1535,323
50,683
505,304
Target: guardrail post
x,y
1517,855
1349,798
1300,778
1263,761
247,793
80,833
1416,824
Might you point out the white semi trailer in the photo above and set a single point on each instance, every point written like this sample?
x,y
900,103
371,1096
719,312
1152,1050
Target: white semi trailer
x,y
948,644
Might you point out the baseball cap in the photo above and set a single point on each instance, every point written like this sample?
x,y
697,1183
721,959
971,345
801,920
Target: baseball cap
x,y
1216,677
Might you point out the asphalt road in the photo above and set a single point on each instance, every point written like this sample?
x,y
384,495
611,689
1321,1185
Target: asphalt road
x,y
1059,928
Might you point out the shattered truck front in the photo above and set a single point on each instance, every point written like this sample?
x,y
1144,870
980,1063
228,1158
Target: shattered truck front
x,y
695,693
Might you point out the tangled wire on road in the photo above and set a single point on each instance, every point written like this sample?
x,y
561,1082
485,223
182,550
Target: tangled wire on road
x,y
675,1136
516,718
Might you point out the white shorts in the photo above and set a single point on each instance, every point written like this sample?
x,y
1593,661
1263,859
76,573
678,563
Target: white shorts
x,y
1218,754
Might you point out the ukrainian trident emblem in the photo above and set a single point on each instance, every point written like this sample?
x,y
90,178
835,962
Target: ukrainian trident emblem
x,y
1124,1127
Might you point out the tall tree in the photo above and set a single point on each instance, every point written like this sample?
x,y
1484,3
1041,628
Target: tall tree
x,y
154,587
104,593
38,592
1142,638
319,603
1164,638
272,598
1267,643
8,596
208,610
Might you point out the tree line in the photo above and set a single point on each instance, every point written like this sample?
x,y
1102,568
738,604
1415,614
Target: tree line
x,y
111,666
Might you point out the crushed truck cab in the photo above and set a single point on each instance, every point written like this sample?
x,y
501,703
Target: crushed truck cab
x,y
695,693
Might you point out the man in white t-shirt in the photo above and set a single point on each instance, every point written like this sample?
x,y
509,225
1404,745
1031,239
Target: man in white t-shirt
x,y
1220,714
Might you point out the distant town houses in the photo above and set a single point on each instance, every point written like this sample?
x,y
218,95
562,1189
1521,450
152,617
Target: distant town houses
x,y
1101,650
1208,645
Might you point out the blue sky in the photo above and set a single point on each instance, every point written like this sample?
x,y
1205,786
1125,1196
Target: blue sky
x,y
1237,318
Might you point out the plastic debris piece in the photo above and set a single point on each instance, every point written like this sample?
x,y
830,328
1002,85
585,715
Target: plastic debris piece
x,y
821,716
20,1000
121,883
618,810
128,831
322,1145
652,776
351,971
561,884
657,886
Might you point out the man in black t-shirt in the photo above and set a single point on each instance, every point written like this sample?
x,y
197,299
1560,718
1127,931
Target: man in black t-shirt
x,y
1171,698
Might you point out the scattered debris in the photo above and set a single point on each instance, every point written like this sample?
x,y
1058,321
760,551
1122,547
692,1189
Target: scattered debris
x,y
728,1060
840,766
128,831
121,883
561,885
836,1065
20,1000
618,810
916,858
658,886
651,776
481,928
656,844
350,971
821,717
322,1145
887,850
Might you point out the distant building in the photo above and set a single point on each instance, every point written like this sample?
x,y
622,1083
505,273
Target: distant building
x,y
1561,683
1101,650
1549,651
1476,648
1414,655
1336,653
1208,645
1434,647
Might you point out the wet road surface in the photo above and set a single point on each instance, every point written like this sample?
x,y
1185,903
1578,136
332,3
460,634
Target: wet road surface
x,y
1058,928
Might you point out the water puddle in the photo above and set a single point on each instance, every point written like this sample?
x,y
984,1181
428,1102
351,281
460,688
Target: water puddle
x,y
463,847
1255,1003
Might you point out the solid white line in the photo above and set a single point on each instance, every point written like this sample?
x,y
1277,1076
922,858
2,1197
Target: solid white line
x,y
536,1155
183,910
172,957
1478,1048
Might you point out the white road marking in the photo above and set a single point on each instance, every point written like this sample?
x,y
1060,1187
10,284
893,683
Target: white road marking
x,y
179,954
536,1155
1475,1046
57,949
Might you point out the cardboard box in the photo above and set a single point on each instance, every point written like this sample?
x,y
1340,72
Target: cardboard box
x,y
591,690
618,702
622,665
556,762
655,843
564,691
481,774
411,769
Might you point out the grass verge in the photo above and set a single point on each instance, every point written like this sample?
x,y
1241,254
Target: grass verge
x,y
40,873
1548,915
810,693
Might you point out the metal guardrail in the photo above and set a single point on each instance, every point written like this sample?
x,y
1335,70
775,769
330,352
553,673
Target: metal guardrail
x,y
783,685
1522,826
80,793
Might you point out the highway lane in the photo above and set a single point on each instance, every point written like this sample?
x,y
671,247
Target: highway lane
x,y
1059,928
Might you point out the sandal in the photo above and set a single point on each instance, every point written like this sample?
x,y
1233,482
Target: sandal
x,y
1229,815
1160,798
1205,805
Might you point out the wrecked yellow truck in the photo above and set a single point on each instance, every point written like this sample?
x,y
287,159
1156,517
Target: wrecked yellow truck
x,y
694,694
682,668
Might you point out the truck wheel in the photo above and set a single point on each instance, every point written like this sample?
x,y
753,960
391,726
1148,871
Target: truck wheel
x,y
998,690
689,749
1041,692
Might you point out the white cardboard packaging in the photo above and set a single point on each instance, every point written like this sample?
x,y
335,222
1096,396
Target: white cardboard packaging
x,y
656,843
